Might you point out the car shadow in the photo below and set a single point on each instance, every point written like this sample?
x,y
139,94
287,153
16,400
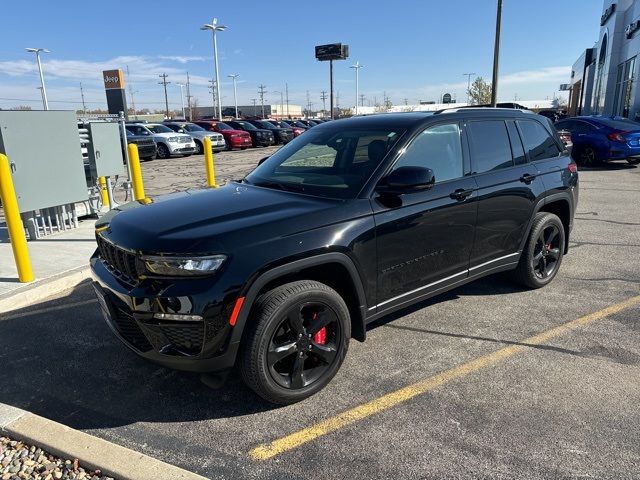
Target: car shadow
x,y
607,167
59,360
63,363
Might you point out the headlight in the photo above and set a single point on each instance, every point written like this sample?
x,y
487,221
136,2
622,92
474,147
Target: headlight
x,y
183,266
173,139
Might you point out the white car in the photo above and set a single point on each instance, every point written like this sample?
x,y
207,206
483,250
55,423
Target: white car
x,y
168,142
198,134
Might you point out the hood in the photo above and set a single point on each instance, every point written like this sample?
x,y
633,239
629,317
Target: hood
x,y
232,132
172,134
212,220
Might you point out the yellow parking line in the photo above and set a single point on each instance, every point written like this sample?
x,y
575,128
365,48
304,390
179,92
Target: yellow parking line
x,y
294,440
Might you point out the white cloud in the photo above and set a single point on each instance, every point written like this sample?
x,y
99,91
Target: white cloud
x,y
181,59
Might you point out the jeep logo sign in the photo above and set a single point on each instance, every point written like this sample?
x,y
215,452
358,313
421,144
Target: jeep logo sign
x,y
113,79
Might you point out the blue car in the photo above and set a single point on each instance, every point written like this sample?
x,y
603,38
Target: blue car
x,y
597,139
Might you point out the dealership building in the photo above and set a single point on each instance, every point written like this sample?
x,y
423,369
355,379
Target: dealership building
x,y
603,79
270,111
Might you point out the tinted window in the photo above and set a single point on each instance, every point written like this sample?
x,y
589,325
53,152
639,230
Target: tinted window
x,y
191,127
438,148
490,142
159,129
516,144
324,162
620,124
538,142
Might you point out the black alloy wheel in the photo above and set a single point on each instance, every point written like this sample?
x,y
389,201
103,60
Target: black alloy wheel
x,y
199,148
163,151
542,255
546,252
588,157
295,340
303,347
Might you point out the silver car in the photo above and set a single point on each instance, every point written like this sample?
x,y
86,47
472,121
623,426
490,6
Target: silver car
x,y
198,134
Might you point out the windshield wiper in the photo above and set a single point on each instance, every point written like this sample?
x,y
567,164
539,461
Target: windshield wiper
x,y
291,187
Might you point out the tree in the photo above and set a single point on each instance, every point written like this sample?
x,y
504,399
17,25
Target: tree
x,y
21,107
479,92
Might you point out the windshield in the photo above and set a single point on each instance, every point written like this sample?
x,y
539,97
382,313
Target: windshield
x,y
223,126
329,163
245,125
159,129
265,124
192,127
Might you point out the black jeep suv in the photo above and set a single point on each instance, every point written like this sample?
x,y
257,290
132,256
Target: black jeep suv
x,y
345,224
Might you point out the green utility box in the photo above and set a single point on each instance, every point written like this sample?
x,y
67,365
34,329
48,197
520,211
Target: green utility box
x,y
105,149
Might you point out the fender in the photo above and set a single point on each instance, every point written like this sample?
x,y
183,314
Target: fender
x,y
541,203
251,293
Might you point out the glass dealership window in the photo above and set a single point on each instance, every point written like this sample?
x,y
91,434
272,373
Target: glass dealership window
x,y
625,87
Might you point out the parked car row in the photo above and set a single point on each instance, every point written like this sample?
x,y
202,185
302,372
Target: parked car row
x,y
597,139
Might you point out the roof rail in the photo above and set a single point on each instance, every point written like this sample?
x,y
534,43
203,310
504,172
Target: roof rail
x,y
473,109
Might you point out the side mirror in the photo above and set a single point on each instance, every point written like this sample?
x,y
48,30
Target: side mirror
x,y
407,180
262,160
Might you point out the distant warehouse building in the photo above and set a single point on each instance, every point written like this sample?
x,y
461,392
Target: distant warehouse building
x,y
603,79
271,111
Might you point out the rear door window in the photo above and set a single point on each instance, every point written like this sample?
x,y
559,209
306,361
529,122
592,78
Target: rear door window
x,y
491,149
538,142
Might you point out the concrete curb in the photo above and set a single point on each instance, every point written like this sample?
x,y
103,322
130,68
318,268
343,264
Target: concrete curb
x,y
116,461
34,292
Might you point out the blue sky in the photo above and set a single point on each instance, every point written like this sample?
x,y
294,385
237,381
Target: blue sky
x,y
413,49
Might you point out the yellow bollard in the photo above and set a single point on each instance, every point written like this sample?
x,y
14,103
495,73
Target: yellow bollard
x,y
14,222
209,163
136,173
102,181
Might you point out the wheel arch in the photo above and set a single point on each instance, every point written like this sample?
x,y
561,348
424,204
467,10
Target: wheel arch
x,y
334,269
560,205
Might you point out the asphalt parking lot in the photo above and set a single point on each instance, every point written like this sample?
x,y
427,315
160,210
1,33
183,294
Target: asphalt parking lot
x,y
475,392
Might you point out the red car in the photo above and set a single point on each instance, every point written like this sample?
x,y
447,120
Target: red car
x,y
234,138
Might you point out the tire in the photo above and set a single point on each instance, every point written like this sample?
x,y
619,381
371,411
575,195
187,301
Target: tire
x,y
243,148
633,161
543,252
228,147
289,316
163,151
588,157
187,154
199,148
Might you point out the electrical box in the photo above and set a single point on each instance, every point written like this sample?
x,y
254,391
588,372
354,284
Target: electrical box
x,y
45,158
105,149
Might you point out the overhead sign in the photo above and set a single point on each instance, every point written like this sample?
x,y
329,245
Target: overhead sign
x,y
446,98
564,87
607,13
332,51
113,78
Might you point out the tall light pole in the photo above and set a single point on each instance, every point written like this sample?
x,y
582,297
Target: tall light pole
x,y
181,85
357,68
45,102
214,27
235,92
468,75
496,56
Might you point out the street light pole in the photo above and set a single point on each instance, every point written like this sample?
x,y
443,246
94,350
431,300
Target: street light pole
x,y
496,56
468,75
357,68
45,102
184,115
235,92
214,27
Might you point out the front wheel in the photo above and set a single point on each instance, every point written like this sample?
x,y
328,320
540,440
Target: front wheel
x,y
298,340
543,252
588,157
163,151
199,148
633,161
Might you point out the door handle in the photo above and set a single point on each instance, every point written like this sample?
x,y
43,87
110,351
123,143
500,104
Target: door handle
x,y
460,194
527,178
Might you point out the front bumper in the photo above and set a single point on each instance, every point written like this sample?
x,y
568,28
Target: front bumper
x,y
263,142
181,148
241,142
197,346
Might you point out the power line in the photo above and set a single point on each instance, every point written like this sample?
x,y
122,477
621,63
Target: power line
x,y
468,75
166,99
323,97
262,90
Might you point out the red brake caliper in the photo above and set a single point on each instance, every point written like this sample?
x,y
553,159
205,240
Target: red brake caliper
x,y
321,336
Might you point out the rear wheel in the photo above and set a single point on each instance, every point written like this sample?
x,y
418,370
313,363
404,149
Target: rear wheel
x,y
543,252
588,157
228,146
299,340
